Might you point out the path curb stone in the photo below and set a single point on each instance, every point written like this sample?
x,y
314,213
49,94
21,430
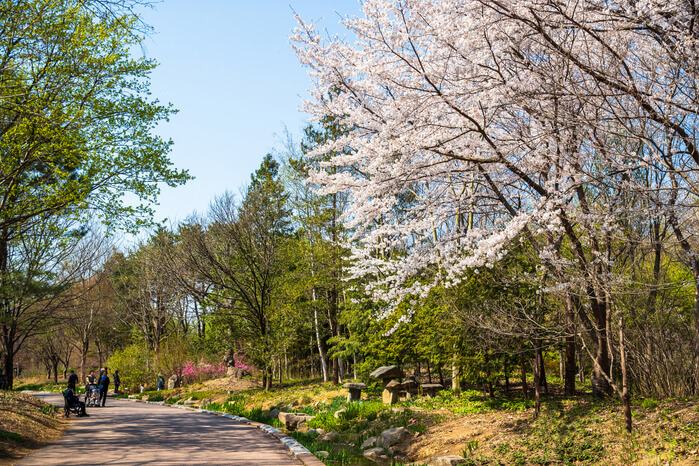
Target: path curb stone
x,y
299,451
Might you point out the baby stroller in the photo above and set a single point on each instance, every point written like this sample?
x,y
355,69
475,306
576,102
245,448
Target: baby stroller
x,y
92,395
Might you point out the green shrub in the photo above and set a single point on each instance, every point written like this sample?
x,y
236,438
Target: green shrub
x,y
325,420
156,397
649,403
235,408
131,363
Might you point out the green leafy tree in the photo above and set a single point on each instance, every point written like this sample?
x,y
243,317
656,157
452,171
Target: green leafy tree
x,y
240,254
323,234
76,125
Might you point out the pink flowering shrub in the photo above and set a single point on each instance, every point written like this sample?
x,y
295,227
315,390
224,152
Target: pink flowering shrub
x,y
199,372
238,357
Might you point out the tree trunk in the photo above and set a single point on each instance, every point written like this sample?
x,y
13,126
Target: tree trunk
x,y
455,371
523,367
600,384
542,370
537,382
334,332
340,371
9,370
625,395
570,349
571,309
489,382
7,328
429,372
321,349
99,352
561,364
313,364
83,359
506,369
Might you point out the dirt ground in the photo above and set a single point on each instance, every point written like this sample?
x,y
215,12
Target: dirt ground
x,y
223,385
26,424
660,436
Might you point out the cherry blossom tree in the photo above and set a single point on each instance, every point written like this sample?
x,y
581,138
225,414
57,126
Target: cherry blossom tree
x,y
477,124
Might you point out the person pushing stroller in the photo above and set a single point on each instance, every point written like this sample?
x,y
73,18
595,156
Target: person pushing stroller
x,y
92,393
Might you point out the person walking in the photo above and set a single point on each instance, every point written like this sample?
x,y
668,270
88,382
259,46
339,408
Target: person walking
x,y
72,380
117,380
103,385
161,382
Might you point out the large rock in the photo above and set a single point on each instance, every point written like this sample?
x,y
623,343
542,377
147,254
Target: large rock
x,y
369,443
236,372
392,436
355,385
391,392
377,455
387,372
274,413
431,389
330,437
293,421
355,391
448,460
172,381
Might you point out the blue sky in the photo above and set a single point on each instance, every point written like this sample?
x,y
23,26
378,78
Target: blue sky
x,y
229,69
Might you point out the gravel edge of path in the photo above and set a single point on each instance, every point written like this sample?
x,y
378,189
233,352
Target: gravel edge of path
x,y
302,453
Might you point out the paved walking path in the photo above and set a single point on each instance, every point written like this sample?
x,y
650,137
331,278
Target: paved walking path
x,y
126,432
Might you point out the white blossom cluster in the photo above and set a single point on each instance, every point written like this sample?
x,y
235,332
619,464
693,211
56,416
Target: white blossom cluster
x,y
476,124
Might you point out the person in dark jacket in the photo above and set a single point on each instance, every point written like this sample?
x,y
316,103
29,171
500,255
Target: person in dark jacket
x,y
117,381
72,380
103,385
74,400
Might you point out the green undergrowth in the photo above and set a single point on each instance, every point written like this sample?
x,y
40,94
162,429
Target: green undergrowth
x,y
471,402
43,387
201,395
235,405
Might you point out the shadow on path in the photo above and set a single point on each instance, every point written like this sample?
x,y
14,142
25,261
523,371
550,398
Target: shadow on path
x,y
126,432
